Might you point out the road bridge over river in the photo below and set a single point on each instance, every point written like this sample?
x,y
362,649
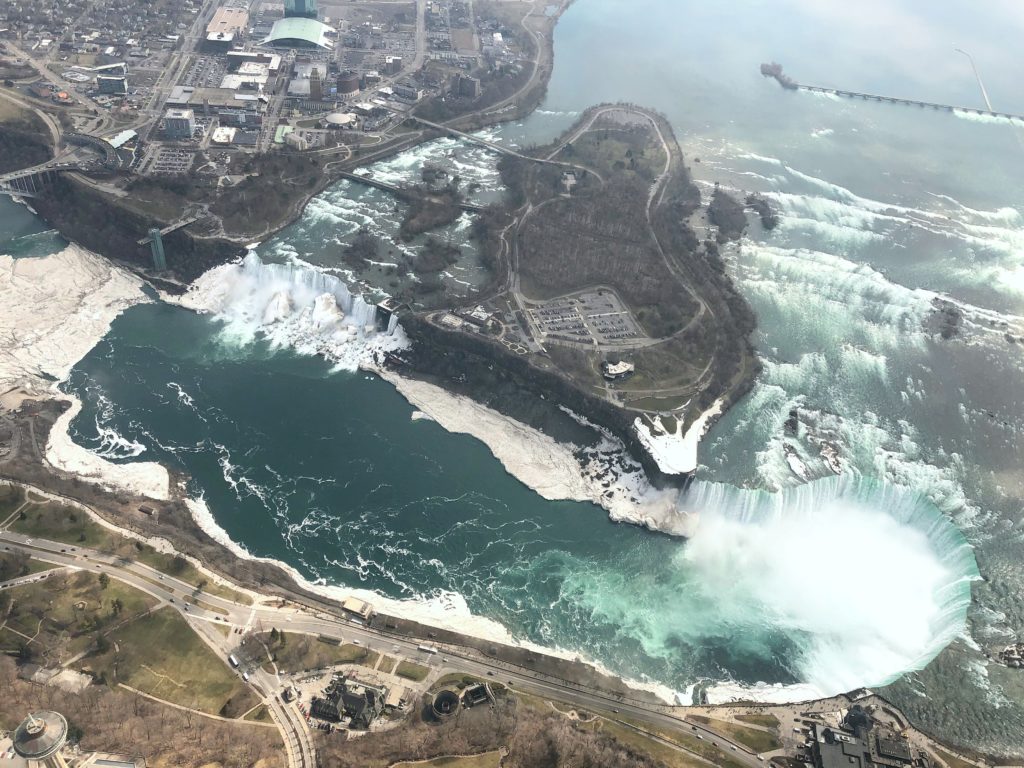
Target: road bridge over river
x,y
501,150
397,190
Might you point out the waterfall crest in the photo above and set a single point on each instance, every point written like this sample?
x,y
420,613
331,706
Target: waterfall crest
x,y
294,305
869,580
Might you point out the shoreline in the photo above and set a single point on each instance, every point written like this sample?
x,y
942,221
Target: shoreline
x,y
455,615
99,301
63,305
144,478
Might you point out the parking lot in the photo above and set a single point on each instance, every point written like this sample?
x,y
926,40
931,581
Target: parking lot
x,y
594,318
204,72
169,161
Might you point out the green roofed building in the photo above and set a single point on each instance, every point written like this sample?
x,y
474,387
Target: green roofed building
x,y
302,9
297,32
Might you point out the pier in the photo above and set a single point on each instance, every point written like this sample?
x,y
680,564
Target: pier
x,y
775,71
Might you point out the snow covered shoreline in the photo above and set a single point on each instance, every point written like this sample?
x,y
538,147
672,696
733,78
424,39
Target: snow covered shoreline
x,y
447,610
63,305
554,470
53,310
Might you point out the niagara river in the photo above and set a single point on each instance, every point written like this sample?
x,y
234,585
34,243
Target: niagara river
x,y
902,571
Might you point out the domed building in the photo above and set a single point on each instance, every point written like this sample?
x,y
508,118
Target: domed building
x,y
40,738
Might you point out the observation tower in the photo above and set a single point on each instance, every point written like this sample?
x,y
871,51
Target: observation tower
x,y
40,738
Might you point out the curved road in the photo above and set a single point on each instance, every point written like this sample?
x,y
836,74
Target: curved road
x,y
213,609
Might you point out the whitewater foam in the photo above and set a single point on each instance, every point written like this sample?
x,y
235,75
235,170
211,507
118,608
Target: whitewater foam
x,y
293,305
442,609
868,580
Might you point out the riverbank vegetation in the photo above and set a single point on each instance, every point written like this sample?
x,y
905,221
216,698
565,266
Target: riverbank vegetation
x,y
22,138
120,722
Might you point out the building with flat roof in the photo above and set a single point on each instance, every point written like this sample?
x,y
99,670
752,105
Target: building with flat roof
x,y
859,742
619,370
297,32
119,140
228,21
223,135
210,100
179,123
248,82
360,608
408,91
238,59
115,86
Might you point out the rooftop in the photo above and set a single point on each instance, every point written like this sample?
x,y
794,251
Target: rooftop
x,y
40,735
300,32
228,21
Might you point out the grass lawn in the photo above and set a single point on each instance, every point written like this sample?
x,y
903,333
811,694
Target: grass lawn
x,y
387,664
259,715
38,566
10,641
702,747
64,612
662,753
768,721
412,671
15,565
161,655
301,652
486,760
455,680
759,741
11,497
58,522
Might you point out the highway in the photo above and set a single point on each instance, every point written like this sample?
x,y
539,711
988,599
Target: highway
x,y
213,609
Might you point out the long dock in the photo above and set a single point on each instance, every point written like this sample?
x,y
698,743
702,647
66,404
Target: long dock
x,y
775,71
907,102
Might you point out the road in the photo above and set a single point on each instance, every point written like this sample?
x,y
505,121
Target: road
x,y
53,78
52,125
213,610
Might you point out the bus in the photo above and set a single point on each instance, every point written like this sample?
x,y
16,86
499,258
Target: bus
x,y
427,649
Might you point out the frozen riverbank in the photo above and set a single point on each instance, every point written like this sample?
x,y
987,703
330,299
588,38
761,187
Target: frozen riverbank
x,y
53,310
555,470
